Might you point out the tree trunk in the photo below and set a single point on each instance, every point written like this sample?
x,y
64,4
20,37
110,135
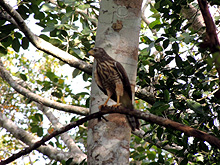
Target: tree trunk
x,y
118,33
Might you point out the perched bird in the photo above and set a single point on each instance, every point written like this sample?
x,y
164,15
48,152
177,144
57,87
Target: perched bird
x,y
112,79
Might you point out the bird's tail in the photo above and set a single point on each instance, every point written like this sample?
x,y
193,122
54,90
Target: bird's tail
x,y
127,103
133,122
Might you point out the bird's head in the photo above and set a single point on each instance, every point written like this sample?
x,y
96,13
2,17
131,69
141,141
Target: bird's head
x,y
97,52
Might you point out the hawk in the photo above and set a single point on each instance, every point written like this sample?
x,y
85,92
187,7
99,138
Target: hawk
x,y
112,79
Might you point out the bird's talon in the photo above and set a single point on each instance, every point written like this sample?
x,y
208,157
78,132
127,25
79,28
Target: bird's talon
x,y
116,105
100,107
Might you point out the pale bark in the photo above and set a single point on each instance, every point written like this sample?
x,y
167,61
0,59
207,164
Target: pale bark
x,y
32,96
67,139
29,139
194,16
118,33
41,44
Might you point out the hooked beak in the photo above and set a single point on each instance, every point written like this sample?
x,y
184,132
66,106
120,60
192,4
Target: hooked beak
x,y
91,52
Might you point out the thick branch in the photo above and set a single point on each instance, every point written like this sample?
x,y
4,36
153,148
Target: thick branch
x,y
211,39
47,102
193,15
50,136
166,123
30,140
67,139
210,27
42,44
145,95
139,114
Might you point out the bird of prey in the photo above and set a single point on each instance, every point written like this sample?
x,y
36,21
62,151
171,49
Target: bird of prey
x,y
112,79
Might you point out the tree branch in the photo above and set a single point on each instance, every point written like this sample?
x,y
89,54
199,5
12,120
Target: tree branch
x,y
166,123
67,139
47,102
145,95
50,136
42,44
30,140
193,15
148,117
211,39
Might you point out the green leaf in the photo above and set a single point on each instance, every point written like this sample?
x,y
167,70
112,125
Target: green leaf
x,y
18,35
86,31
40,131
3,51
45,37
159,107
175,47
84,6
166,95
85,76
151,155
51,75
25,43
166,43
48,7
23,76
34,127
191,59
16,44
159,39
140,149
38,117
39,15
7,41
57,94
179,61
69,161
154,23
195,106
159,132
75,73
49,28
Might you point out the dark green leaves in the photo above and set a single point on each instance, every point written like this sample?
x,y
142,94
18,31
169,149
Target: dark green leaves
x,y
159,107
23,76
25,43
16,44
36,124
195,106
3,51
165,43
179,61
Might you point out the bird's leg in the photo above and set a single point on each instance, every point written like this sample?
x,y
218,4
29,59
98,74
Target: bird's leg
x,y
106,101
118,102
109,96
119,92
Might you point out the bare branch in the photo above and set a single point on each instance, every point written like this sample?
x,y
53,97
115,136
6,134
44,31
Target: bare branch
x,y
210,40
139,114
194,16
30,140
145,95
50,136
47,102
166,123
42,44
74,149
